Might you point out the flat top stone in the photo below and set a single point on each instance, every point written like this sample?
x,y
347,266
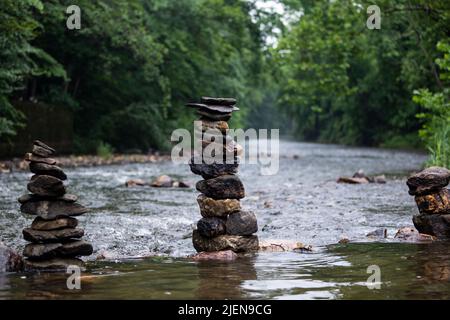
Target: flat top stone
x,y
43,145
33,158
428,180
33,197
219,101
214,108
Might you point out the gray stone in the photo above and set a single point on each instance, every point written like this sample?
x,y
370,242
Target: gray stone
x,y
46,236
76,248
49,210
40,149
213,108
56,264
56,224
33,198
208,171
225,242
47,169
215,116
37,251
211,227
222,187
242,223
46,186
219,101
428,181
33,158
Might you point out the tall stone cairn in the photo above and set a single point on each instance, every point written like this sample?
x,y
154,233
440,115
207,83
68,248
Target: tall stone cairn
x,y
55,240
433,200
224,225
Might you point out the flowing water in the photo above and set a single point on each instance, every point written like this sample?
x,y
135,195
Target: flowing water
x,y
301,203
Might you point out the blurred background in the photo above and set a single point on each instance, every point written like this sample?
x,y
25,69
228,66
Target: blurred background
x,y
311,68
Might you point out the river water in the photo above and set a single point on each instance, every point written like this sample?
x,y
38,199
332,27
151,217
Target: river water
x,y
302,203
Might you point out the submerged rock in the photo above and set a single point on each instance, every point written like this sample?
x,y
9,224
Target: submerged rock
x,y
10,261
58,223
227,255
56,264
353,180
52,235
162,182
222,187
379,233
283,246
428,180
435,203
412,235
225,242
242,223
211,227
135,182
46,186
217,208
49,210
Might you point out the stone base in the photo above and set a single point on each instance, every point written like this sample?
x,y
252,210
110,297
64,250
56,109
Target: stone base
x,y
225,242
433,224
56,264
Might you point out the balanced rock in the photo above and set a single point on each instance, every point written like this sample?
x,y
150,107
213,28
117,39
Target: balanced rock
x,y
208,171
242,223
218,101
58,223
435,203
49,250
205,124
42,150
433,224
217,116
429,180
222,187
225,242
33,198
33,158
217,208
46,186
38,236
49,210
47,169
55,264
211,227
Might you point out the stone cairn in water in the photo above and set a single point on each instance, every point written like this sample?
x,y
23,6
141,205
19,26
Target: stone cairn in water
x,y
433,200
223,226
54,236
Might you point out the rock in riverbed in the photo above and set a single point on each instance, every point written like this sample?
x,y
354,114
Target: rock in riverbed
x,y
225,242
47,169
58,223
433,224
33,198
37,236
227,255
222,187
46,186
435,203
242,223
49,210
217,208
409,234
211,227
55,264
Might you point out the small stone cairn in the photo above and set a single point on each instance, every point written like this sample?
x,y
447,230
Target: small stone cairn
x,y
223,226
433,200
55,239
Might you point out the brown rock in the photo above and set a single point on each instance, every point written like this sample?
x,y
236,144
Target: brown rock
x,y
217,208
435,203
32,158
225,242
10,261
135,182
42,150
58,223
49,210
227,255
162,182
433,224
241,223
205,124
412,235
211,227
37,251
223,187
217,109
283,246
47,169
353,180
208,171
46,186
428,181
32,197
214,116
56,264
60,235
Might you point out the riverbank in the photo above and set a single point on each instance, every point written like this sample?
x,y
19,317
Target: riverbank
x,y
75,161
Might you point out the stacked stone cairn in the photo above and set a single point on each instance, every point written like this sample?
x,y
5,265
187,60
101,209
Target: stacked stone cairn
x,y
55,239
223,226
433,200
